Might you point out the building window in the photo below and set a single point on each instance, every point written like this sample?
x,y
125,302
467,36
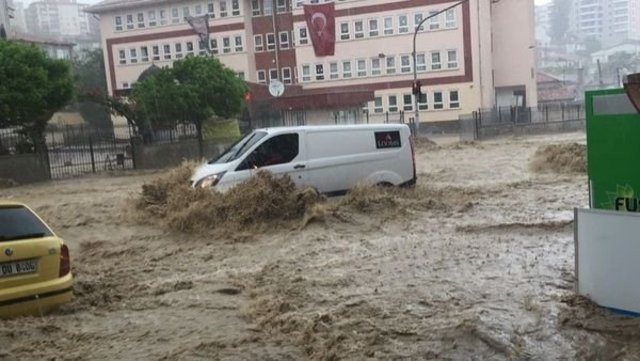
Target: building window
x,y
333,71
155,53
241,75
268,7
388,26
175,16
452,59
144,54
185,12
393,103
303,37
202,47
238,44
130,22
122,55
125,85
118,21
286,75
405,64
235,7
358,29
178,48
226,45
281,6
434,22
407,100
262,76
211,9
152,18
257,43
435,61
450,18
403,24
271,42
373,27
377,105
437,100
140,20
167,51
319,71
375,66
306,73
223,9
391,64
199,9
417,18
133,56
344,31
189,47
422,102
361,67
273,74
214,46
346,69
454,100
163,17
284,40
255,7
421,62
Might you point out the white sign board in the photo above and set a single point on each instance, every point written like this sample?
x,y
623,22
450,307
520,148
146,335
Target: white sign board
x,y
608,258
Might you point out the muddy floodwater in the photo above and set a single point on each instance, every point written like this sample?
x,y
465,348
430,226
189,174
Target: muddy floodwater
x,y
481,268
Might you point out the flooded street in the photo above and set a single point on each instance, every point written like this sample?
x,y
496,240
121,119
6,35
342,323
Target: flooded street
x,y
477,262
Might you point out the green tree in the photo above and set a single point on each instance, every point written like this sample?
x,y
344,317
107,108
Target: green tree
x,y
196,89
32,88
91,88
560,11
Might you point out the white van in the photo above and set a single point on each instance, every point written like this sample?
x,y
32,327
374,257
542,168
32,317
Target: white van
x,y
332,159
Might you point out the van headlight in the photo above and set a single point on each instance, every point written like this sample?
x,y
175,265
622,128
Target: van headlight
x,y
210,180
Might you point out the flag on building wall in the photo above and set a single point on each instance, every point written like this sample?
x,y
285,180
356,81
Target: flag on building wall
x,y
200,25
321,23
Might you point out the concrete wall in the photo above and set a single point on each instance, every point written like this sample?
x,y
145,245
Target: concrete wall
x,y
158,156
24,168
468,129
513,29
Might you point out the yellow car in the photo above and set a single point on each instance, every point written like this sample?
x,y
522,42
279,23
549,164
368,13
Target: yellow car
x,y
35,268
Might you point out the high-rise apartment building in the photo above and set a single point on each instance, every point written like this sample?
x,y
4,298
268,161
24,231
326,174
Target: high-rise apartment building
x,y
6,13
477,55
609,21
60,18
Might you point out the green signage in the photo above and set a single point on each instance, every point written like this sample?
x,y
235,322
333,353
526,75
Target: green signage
x,y
613,150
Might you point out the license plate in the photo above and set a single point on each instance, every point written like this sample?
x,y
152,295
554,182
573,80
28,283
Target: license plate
x,y
18,267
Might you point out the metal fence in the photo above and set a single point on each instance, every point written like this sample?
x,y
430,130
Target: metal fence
x,y
74,150
485,123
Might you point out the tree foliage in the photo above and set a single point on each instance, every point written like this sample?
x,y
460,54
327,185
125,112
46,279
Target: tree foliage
x,y
197,88
560,14
32,87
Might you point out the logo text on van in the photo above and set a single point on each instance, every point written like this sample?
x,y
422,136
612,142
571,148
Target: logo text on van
x,y
388,140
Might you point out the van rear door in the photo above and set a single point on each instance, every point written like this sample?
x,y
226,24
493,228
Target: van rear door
x,y
280,154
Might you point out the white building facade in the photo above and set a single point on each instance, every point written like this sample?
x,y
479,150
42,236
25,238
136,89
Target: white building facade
x,y
59,18
477,55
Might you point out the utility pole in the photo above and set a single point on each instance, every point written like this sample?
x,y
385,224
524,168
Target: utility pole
x,y
416,84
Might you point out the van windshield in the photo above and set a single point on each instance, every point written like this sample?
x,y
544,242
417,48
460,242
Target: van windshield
x,y
239,148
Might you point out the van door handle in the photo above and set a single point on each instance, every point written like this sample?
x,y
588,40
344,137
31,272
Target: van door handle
x,y
299,166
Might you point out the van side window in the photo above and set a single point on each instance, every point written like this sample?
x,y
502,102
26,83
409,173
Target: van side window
x,y
280,149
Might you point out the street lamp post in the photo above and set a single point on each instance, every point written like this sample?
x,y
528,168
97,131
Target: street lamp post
x,y
415,71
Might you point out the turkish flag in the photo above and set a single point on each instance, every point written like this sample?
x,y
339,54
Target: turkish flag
x,y
321,23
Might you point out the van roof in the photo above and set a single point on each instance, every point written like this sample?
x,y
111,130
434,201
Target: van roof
x,y
332,127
